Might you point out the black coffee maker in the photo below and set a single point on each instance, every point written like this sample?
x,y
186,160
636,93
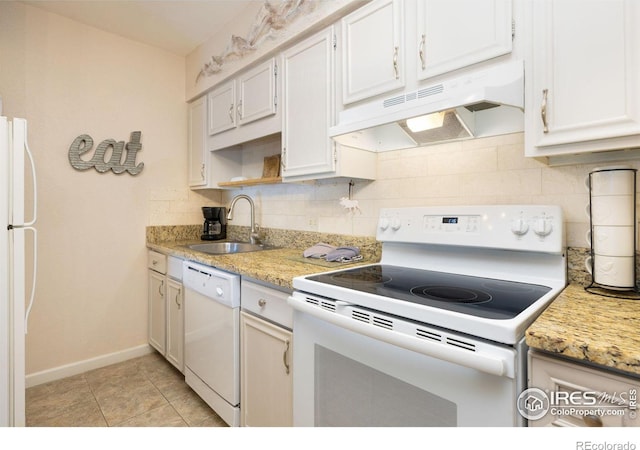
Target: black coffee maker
x,y
215,223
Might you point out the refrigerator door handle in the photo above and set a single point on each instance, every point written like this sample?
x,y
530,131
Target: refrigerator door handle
x,y
35,185
33,281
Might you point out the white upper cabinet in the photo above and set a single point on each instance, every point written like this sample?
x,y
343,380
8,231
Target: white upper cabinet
x,y
244,108
221,108
308,153
373,57
583,78
391,44
197,142
309,106
257,93
456,33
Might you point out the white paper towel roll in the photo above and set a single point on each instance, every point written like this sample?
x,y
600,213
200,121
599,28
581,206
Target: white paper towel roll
x,y
613,230
615,180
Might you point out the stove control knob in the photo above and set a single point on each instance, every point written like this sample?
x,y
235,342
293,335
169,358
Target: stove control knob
x,y
543,227
395,224
519,227
384,223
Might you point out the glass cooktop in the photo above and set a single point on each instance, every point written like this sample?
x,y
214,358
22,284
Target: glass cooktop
x,y
478,296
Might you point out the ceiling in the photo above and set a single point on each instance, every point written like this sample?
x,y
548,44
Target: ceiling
x,y
178,26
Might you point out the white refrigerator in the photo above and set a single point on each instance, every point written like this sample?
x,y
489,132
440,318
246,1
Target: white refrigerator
x,y
15,301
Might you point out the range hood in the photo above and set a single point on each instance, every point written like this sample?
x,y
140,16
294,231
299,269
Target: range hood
x,y
480,103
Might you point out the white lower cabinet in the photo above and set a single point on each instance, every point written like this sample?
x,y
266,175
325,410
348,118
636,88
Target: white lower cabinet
x,y
166,311
156,291
175,324
266,389
582,396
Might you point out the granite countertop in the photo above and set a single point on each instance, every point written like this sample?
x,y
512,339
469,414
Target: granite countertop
x,y
275,266
590,328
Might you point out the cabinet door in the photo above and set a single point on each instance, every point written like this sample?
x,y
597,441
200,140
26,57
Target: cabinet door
x,y
583,76
175,324
309,110
373,58
457,33
266,373
257,93
222,108
197,143
157,321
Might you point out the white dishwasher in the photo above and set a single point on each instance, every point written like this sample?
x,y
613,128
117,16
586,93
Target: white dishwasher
x,y
212,338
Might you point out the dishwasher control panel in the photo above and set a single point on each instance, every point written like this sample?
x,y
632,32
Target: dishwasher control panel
x,y
218,285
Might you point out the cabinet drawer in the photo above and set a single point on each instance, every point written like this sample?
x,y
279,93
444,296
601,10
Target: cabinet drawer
x,y
157,261
268,303
583,396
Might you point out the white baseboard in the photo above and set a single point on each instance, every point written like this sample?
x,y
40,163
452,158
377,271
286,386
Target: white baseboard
x,y
76,368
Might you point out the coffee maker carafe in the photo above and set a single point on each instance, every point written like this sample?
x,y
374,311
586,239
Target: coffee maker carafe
x,y
215,223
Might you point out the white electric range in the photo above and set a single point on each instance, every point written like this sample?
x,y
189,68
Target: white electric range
x,y
434,333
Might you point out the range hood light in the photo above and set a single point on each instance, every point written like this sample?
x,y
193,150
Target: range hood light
x,y
426,122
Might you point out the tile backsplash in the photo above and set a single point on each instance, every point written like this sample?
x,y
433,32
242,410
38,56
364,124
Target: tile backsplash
x,y
479,171
576,271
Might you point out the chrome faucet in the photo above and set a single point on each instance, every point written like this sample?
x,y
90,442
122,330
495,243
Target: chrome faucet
x,y
254,237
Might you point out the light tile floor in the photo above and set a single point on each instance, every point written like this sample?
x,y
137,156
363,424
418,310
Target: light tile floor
x,y
142,392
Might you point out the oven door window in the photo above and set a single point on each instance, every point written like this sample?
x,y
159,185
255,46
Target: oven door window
x,y
352,394
343,378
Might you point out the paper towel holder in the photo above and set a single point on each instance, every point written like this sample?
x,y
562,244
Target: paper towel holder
x,y
629,290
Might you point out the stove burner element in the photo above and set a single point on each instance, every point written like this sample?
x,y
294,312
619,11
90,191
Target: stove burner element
x,y
368,275
476,296
451,294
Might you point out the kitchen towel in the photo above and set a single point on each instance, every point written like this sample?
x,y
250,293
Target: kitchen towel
x,y
320,250
343,254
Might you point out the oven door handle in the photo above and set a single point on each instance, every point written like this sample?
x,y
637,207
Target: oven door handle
x,y
492,365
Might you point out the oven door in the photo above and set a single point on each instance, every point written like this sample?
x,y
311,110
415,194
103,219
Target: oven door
x,y
345,377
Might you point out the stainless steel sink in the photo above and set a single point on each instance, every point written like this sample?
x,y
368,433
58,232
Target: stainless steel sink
x,y
223,248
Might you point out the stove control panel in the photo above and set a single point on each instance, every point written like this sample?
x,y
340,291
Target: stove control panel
x,y
538,228
452,224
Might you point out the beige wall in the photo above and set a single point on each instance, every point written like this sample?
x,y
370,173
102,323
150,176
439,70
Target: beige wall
x,y
68,79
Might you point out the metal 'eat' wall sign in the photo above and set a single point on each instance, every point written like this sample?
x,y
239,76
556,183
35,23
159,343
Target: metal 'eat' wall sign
x,y
83,143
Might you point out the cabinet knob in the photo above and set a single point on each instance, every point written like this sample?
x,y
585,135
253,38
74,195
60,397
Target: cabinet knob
x,y
262,302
